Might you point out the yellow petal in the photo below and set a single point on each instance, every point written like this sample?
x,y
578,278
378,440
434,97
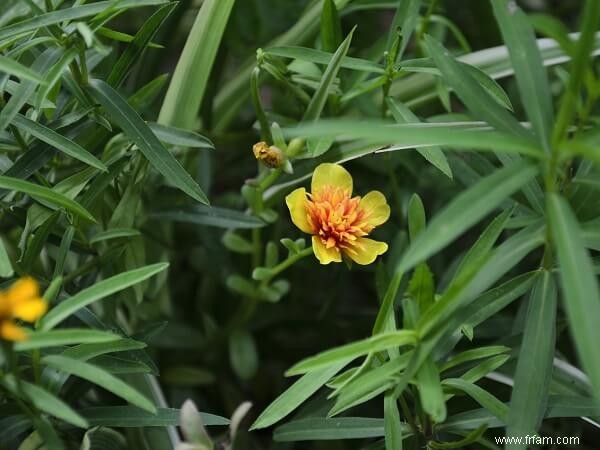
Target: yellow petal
x,y
296,203
30,310
5,307
376,209
22,290
325,255
11,332
364,251
333,175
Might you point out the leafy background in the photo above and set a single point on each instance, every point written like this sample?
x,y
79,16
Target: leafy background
x,y
203,328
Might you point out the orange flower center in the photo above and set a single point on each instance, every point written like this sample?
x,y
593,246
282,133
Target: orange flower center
x,y
335,217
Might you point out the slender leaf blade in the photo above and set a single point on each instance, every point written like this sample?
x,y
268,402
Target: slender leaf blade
x,y
101,377
319,98
98,291
530,393
465,210
41,192
578,285
187,88
58,141
530,73
138,131
295,395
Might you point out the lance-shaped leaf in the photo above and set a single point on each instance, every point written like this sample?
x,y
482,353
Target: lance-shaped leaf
x,y
138,131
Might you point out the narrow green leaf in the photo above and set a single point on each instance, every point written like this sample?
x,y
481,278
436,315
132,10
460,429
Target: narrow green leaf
x,y
496,299
519,37
137,130
43,400
319,429
430,391
331,27
67,14
578,284
100,377
182,138
416,216
47,434
530,393
481,396
210,216
6,268
434,155
57,141
122,37
479,251
53,380
368,385
130,416
405,21
471,355
186,90
22,94
348,352
469,136
53,76
295,395
36,244
475,97
502,259
586,43
321,57
56,338
317,102
465,210
114,233
471,438
98,291
552,27
142,40
40,192
12,67
392,424
427,65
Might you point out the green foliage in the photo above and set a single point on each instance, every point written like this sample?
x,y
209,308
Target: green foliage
x,y
137,195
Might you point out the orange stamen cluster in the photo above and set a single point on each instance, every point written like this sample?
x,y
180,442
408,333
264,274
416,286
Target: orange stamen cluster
x,y
336,218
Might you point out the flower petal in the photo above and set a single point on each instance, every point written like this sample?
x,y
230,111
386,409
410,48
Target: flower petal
x,y
296,203
376,209
30,310
325,255
328,174
11,332
364,251
22,290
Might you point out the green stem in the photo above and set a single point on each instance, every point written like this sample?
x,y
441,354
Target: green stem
x,y
287,263
265,129
408,415
257,245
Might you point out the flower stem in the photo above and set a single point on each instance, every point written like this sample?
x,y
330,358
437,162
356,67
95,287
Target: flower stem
x,y
287,263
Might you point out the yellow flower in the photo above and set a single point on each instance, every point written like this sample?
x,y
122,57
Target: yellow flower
x,y
21,301
337,221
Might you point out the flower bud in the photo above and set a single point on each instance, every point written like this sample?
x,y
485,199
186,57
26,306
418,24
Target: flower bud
x,y
295,147
270,156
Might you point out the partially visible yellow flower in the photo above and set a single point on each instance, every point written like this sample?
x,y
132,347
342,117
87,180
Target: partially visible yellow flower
x,y
337,221
21,301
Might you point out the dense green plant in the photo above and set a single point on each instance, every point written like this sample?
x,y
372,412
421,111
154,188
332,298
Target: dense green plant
x,y
151,153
